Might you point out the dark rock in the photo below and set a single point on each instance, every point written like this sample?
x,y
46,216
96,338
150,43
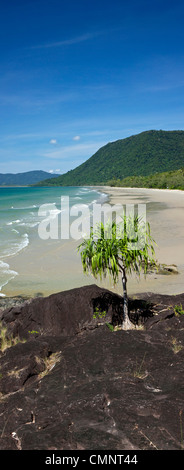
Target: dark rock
x,y
8,302
77,385
168,269
65,313
20,364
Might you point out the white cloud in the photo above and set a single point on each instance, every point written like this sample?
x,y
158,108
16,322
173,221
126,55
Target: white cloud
x,y
74,151
36,100
77,137
55,171
53,141
69,42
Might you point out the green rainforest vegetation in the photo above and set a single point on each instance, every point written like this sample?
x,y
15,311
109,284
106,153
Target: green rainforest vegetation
x,y
131,161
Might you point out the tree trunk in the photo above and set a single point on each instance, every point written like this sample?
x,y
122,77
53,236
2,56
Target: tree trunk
x,y
127,324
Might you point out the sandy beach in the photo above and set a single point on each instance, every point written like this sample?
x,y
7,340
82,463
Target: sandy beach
x,y
45,267
165,213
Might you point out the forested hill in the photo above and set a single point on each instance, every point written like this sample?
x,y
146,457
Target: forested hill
x,y
142,154
24,179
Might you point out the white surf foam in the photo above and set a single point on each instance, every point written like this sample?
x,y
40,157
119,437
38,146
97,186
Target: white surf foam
x,y
16,247
13,222
6,274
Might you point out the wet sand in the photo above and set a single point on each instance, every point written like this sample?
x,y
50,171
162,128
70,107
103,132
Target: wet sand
x,y
45,267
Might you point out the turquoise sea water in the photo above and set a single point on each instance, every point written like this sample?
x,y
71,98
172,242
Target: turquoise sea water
x,y
19,217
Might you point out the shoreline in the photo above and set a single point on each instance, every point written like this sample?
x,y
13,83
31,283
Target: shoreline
x,y
48,266
97,187
108,189
55,266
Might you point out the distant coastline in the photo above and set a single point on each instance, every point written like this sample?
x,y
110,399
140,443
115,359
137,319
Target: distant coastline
x,y
106,189
14,186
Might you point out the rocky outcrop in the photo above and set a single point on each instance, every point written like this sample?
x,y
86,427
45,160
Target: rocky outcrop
x,y
168,269
75,384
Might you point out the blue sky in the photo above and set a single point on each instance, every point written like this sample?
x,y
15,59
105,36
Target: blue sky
x,y
75,75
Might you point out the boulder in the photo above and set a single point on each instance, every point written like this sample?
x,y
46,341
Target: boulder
x,y
74,384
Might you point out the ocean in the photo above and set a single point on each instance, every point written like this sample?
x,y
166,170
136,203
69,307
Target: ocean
x,y
20,218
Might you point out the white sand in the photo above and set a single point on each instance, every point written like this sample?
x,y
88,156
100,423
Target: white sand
x,y
54,266
165,213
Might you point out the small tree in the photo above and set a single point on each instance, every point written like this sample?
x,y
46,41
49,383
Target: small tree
x,y
119,249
